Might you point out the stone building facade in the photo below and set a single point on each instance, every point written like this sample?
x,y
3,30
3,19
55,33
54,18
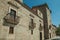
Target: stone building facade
x,y
52,31
19,22
46,12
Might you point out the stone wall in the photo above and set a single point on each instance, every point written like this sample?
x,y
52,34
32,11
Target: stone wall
x,y
21,30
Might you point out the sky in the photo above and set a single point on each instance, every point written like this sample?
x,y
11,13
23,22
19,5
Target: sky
x,y
54,6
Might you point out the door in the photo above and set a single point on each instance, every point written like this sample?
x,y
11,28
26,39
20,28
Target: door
x,y
40,35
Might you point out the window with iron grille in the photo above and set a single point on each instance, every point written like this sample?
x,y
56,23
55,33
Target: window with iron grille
x,y
32,32
11,30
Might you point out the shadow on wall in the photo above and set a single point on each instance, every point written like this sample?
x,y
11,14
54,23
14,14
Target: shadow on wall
x,y
2,38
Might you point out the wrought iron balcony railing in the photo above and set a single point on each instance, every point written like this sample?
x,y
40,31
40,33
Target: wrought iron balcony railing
x,y
10,19
32,26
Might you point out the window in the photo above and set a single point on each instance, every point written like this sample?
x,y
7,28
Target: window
x,y
49,26
39,20
13,13
32,21
11,30
50,35
32,32
40,27
31,24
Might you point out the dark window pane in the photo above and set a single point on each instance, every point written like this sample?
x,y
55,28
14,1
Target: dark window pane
x,y
11,30
31,31
13,13
32,21
40,35
31,24
49,26
40,28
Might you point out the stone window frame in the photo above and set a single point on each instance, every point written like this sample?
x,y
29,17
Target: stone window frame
x,y
12,8
14,14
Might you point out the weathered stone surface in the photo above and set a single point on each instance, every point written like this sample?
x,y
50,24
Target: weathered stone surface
x,y
21,30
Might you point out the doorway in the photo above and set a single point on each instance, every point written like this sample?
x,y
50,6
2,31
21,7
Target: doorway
x,y
40,35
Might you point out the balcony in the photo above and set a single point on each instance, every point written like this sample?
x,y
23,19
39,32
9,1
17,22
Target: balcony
x,y
40,28
32,25
11,20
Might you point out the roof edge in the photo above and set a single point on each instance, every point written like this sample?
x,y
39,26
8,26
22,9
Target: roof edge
x,y
42,5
